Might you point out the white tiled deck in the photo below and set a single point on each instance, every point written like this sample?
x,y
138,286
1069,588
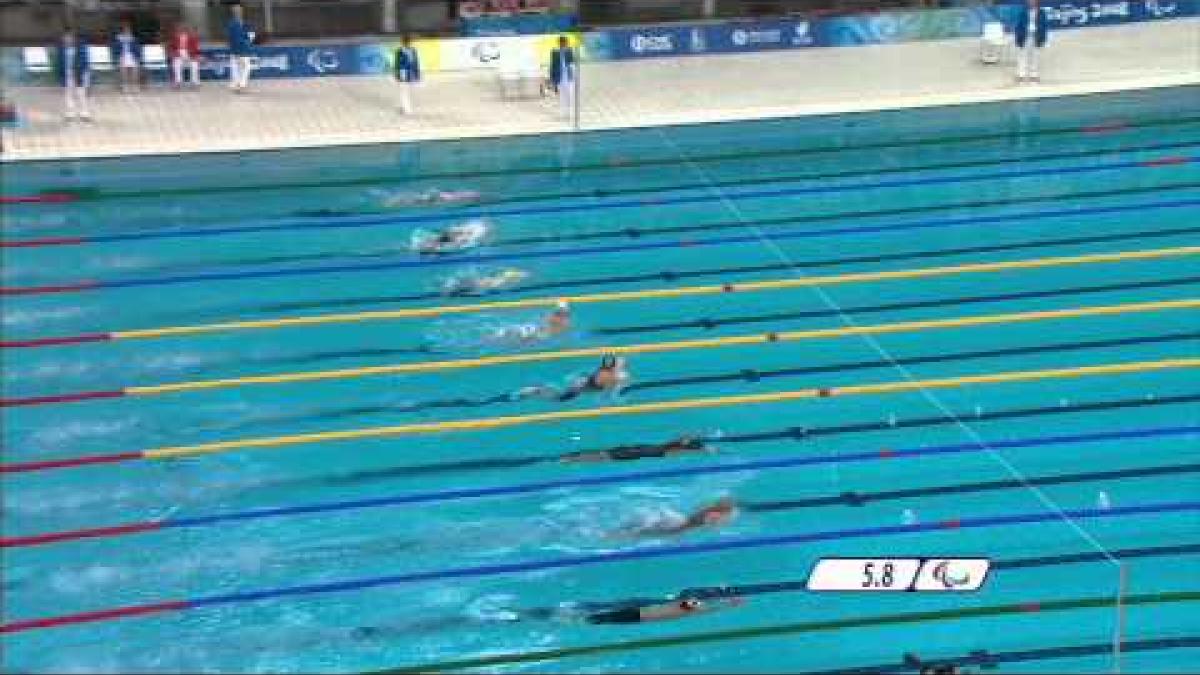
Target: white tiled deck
x,y
331,111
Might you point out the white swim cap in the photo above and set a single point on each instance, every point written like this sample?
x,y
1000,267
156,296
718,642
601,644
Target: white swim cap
x,y
564,306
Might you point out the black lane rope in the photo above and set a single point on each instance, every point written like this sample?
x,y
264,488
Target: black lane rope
x,y
631,232
789,433
94,193
671,275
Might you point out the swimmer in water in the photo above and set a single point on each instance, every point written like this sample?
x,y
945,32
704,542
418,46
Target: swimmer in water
x,y
666,611
680,446
454,239
611,376
478,283
721,512
430,197
554,323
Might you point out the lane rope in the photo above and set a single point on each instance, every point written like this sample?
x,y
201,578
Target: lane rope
x,y
644,294
786,462
610,411
1170,597
608,557
409,262
644,348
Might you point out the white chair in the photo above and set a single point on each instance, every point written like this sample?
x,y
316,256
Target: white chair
x,y
100,57
522,73
37,59
154,59
993,43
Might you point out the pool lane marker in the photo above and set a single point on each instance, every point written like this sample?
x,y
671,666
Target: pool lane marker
x,y
615,296
645,348
410,262
609,411
1169,597
786,462
609,557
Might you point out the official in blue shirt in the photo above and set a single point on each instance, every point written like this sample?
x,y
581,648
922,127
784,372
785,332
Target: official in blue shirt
x,y
1031,23
407,68
563,74
74,70
241,47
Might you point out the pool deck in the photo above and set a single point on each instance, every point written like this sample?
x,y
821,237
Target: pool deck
x,y
352,110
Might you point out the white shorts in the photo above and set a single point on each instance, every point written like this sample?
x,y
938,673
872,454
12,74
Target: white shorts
x,y
127,61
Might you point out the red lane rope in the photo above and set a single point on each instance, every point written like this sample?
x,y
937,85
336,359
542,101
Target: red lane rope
x,y
18,467
44,241
60,398
61,288
1105,127
1166,161
101,615
52,341
43,198
51,537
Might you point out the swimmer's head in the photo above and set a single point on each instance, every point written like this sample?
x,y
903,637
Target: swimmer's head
x,y
609,361
721,510
690,604
563,307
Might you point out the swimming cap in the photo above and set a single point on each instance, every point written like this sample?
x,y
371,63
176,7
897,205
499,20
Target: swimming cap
x,y
564,306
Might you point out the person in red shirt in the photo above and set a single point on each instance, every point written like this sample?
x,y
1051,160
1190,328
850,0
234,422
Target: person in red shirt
x,y
184,50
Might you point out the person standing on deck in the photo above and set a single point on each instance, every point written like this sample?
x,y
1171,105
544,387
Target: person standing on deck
x,y
74,74
1030,33
241,46
408,73
563,75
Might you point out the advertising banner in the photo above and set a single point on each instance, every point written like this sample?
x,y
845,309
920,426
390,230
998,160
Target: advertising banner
x,y
1106,13
895,27
272,62
517,24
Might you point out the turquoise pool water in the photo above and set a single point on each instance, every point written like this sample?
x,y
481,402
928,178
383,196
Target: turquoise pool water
x,y
1090,203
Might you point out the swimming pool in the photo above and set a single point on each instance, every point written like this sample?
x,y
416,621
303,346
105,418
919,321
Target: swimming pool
x,y
243,415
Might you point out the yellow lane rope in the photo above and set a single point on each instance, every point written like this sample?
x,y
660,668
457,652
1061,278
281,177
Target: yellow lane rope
x,y
665,406
679,345
779,284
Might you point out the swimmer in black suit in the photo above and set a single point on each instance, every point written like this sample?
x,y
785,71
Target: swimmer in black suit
x,y
623,453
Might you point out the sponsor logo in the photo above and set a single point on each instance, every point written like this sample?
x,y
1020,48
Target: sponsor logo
x,y
1080,15
1159,8
486,51
279,62
746,38
323,60
642,44
801,35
